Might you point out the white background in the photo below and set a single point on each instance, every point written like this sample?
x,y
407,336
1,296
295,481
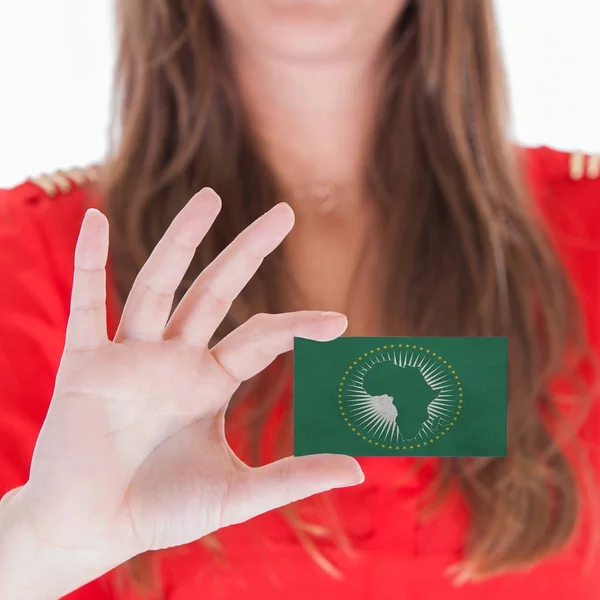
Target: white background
x,y
56,60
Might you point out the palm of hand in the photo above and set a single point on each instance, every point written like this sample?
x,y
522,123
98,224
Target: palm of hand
x,y
152,448
132,455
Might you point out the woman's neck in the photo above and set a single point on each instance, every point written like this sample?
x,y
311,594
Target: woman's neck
x,y
313,121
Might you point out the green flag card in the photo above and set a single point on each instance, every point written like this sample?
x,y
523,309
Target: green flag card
x,y
400,396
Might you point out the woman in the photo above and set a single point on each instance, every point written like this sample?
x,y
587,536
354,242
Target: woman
x,y
382,128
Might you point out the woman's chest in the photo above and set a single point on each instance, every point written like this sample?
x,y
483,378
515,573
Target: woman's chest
x,y
341,268
389,549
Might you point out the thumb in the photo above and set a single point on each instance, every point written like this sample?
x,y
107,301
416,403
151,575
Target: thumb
x,y
256,491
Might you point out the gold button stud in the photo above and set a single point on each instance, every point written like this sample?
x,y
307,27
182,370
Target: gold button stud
x,y
577,165
593,166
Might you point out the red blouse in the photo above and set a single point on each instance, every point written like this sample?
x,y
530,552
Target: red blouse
x,y
395,552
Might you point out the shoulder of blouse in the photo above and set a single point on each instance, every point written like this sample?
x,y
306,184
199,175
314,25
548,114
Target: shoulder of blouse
x,y
47,210
77,182
565,188
51,196
40,221
564,176
42,217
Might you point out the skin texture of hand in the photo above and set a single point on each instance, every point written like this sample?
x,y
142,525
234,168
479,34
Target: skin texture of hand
x,y
132,455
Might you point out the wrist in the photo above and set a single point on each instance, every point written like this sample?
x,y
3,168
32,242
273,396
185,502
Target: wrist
x,y
32,569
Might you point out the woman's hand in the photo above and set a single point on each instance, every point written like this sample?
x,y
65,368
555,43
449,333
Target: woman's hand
x,y
132,455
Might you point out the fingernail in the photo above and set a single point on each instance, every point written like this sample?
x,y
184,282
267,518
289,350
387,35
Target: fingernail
x,y
285,207
91,213
208,198
350,482
331,314
357,477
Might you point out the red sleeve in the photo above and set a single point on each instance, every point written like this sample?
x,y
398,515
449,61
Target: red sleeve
x,y
567,188
37,238
32,326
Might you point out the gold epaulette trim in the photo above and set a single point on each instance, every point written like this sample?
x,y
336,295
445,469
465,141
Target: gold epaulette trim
x,y
583,165
64,181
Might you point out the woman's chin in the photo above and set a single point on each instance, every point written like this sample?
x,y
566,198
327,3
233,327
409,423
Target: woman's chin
x,y
308,29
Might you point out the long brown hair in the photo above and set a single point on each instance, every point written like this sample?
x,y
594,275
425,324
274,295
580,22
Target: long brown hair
x,y
474,258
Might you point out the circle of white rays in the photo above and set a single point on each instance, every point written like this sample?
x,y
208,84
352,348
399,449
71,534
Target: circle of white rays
x,y
366,414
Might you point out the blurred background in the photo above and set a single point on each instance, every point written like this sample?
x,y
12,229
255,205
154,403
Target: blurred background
x,y
56,62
